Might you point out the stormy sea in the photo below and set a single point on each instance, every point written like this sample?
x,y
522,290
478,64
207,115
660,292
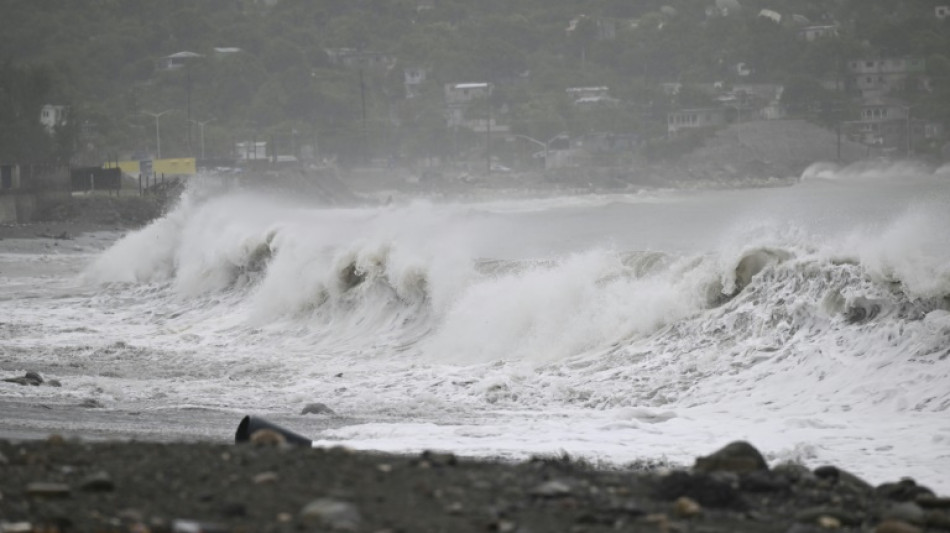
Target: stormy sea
x,y
812,320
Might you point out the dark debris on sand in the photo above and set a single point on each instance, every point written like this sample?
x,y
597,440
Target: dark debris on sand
x,y
265,486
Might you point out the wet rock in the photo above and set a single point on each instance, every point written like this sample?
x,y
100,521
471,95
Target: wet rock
x,y
764,481
908,512
552,489
334,514
317,409
54,383
739,457
794,473
30,379
708,490
97,482
903,491
47,490
937,519
439,459
924,500
896,526
91,403
842,478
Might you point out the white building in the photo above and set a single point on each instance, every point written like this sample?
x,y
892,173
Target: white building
x,y
459,98
52,116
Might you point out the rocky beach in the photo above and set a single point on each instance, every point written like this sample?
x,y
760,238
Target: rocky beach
x,y
61,485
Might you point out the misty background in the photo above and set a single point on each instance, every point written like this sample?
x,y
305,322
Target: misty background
x,y
492,85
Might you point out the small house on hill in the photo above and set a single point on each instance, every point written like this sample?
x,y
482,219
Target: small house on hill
x,y
177,60
694,119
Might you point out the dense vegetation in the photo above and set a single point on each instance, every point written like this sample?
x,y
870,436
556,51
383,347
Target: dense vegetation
x,y
99,57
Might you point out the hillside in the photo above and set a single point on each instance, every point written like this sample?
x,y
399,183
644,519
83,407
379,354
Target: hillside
x,y
764,149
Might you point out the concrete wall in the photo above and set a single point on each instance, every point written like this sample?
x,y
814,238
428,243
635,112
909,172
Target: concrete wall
x,y
22,207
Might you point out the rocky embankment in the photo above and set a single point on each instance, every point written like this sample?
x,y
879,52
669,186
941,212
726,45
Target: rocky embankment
x,y
265,485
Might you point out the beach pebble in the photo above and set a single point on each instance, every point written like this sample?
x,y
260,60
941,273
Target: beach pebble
x,y
317,409
16,527
266,478
97,482
47,490
686,507
192,526
334,514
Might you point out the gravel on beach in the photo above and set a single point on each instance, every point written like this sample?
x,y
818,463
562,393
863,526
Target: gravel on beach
x,y
267,485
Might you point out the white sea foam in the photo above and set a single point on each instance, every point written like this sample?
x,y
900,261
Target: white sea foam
x,y
811,320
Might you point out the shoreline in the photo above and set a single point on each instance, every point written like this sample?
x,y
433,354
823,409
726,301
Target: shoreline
x,y
59,484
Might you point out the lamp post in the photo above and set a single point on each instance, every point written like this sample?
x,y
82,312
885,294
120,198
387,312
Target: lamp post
x,y
201,133
158,132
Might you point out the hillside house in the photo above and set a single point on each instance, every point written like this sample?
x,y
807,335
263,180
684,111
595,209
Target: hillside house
x,y
604,29
706,117
52,116
413,78
883,122
756,100
888,123
879,77
460,97
813,33
177,60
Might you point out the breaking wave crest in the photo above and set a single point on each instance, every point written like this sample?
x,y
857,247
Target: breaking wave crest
x,y
759,309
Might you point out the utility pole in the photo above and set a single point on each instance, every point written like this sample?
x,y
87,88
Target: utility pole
x,y
158,132
201,133
365,153
488,130
188,102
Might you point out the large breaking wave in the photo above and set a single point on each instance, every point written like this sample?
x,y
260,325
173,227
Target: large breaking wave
x,y
836,288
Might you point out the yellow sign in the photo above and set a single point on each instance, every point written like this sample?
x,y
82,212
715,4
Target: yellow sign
x,y
170,167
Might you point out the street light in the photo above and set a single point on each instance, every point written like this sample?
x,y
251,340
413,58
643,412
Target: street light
x,y
158,133
201,130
